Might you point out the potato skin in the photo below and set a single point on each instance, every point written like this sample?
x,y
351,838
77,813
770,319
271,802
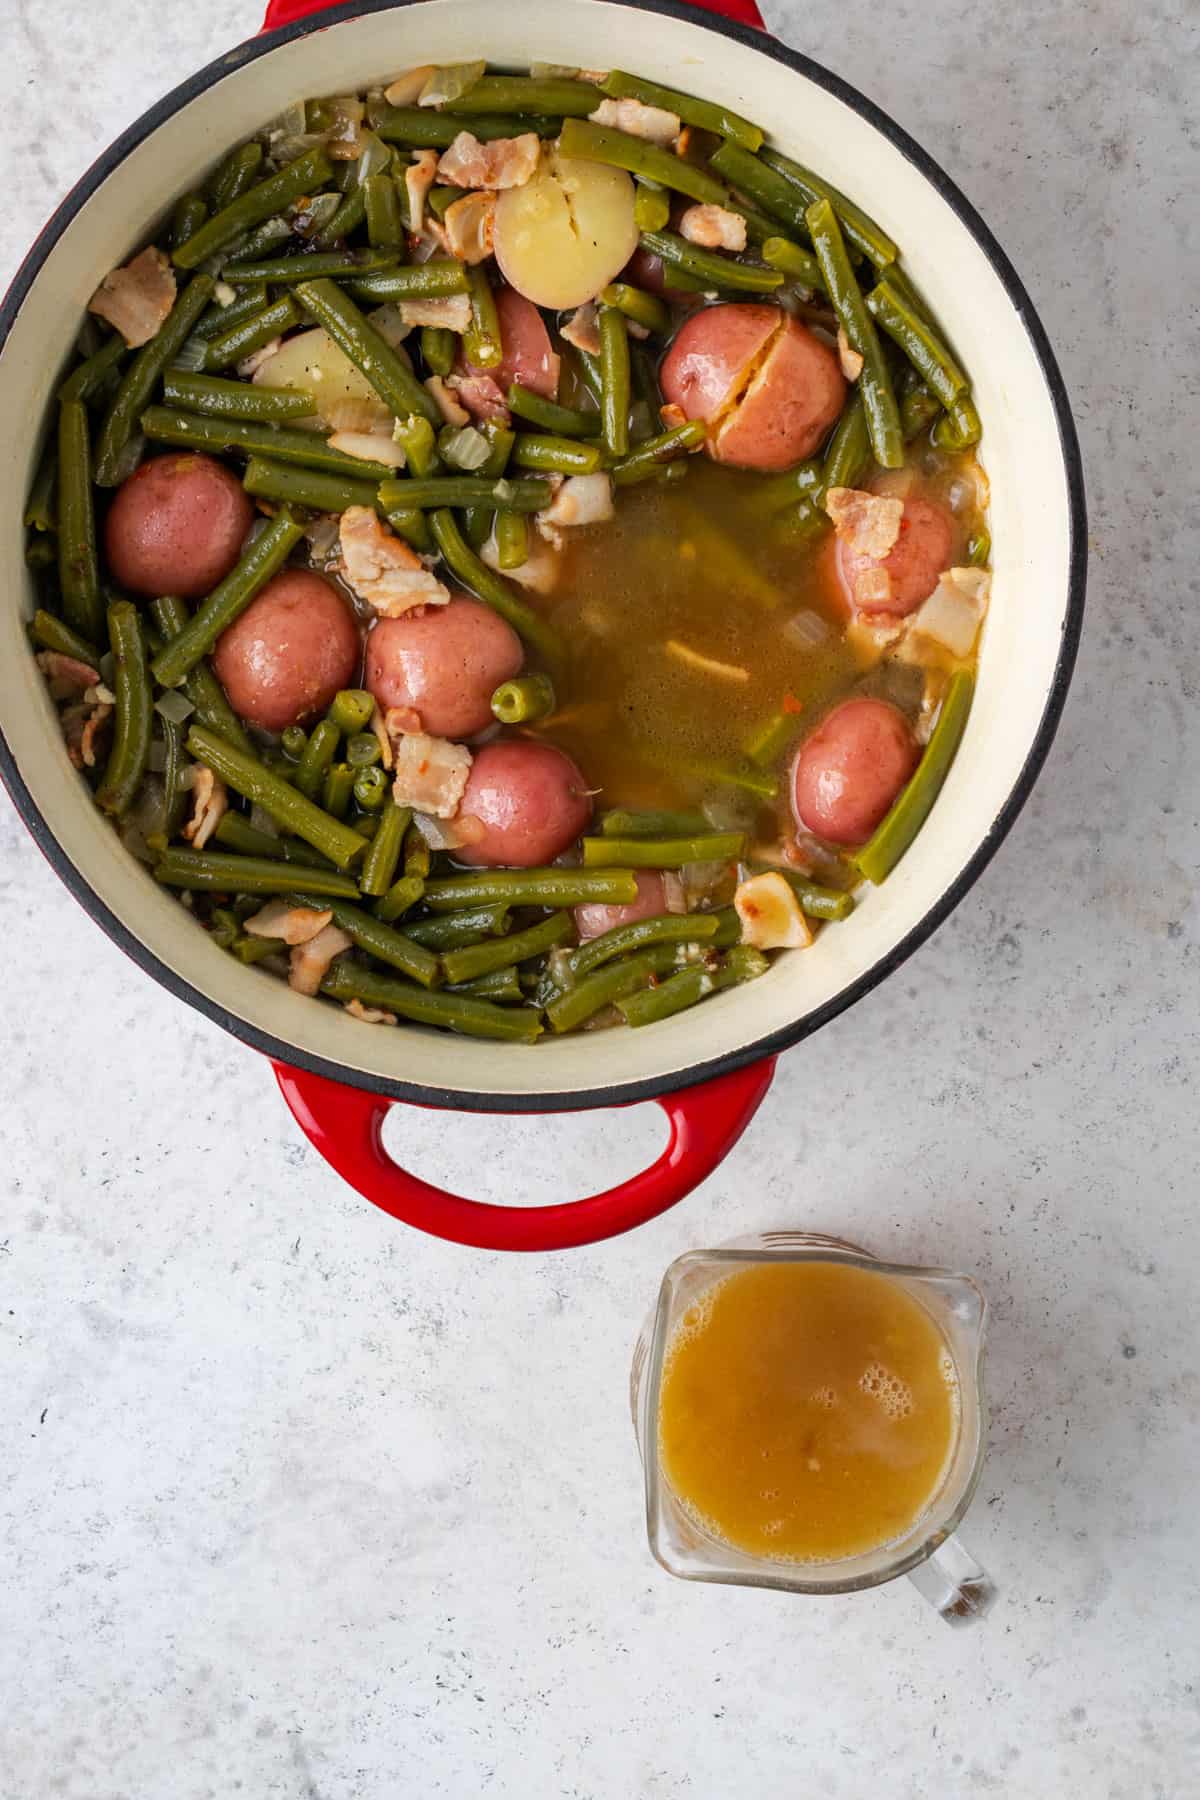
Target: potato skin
x,y
531,800
914,563
850,769
285,658
176,527
445,663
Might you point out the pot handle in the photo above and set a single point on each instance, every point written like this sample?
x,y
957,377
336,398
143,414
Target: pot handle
x,y
345,1125
286,12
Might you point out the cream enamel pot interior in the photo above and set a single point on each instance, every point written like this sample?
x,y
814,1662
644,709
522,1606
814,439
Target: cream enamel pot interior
x,y
1037,526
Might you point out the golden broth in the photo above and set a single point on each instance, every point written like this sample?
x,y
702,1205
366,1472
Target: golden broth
x,y
808,1411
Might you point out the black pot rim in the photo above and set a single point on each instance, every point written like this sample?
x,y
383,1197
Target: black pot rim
x,y
624,1093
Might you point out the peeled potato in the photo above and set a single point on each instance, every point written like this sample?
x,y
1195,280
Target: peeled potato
x,y
311,361
567,233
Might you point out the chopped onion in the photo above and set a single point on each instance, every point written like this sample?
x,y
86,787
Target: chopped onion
x,y
375,157
449,82
191,355
271,231
705,880
174,706
322,534
343,139
464,449
553,72
389,323
223,294
316,215
404,89
291,122
730,810
262,820
806,630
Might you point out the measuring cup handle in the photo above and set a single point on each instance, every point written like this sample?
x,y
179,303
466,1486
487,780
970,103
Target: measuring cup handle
x,y
954,1584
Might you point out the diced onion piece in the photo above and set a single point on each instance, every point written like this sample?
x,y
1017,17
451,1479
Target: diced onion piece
x,y
449,82
405,89
581,500
807,630
465,449
370,447
343,141
953,613
566,233
390,323
314,215
375,157
313,363
174,705
771,915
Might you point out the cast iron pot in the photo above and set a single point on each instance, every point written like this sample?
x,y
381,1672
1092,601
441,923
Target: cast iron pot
x,y
709,1069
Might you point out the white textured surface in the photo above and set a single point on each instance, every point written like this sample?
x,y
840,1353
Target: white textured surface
x,y
295,1503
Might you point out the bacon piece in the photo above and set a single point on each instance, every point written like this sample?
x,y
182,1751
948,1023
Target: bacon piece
x,y
653,123
848,356
137,298
868,524
291,924
452,413
310,961
581,500
771,915
210,803
384,570
83,728
539,571
369,1015
419,177
453,311
470,227
582,329
482,396
504,163
713,227
431,774
406,88
67,672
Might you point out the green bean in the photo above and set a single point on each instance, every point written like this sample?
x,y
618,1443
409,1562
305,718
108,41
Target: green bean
x,y
375,359
603,987
979,551
555,455
247,335
548,415
729,928
874,383
228,600
251,950
662,853
439,347
288,807
134,711
268,480
413,527
589,371
267,239
704,114
524,700
282,443
456,1012
708,266
491,588
174,793
380,862
879,856
189,215
290,270
351,710
918,410
599,143
400,898
370,789
51,633
504,953
651,207
502,984
432,280
743,963
848,451
317,757
614,380
41,554
246,875
170,615
801,265
417,855
477,520
78,567
234,175
869,239
765,185
348,216
670,996
817,901
766,745
84,382
307,175
775,492
643,308
140,377
385,227
669,928
465,490
337,790
961,427
427,129
418,440
620,823
40,513
235,832
483,343
532,887
512,539
453,930
378,939
926,351
525,94
649,456
236,399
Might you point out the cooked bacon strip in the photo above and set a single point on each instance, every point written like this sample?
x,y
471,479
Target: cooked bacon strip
x,y
504,163
83,728
713,227
653,123
583,328
210,803
470,227
452,413
384,570
581,500
369,1015
136,299
67,671
419,177
771,915
431,774
453,311
370,447
868,524
291,924
310,961
482,396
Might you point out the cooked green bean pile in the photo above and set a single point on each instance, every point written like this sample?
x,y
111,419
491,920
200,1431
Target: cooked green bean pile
x,y
389,370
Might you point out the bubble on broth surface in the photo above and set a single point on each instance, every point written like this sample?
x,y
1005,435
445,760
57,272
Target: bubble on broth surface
x,y
825,1397
893,1395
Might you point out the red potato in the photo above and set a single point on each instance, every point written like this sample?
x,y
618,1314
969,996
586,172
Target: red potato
x,y
645,270
445,663
176,527
916,559
529,356
850,769
294,646
594,920
770,389
530,799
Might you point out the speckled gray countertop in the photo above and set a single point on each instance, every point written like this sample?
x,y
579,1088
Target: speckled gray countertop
x,y
295,1503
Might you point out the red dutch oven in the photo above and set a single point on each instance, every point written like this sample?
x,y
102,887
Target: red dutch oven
x,y
709,1069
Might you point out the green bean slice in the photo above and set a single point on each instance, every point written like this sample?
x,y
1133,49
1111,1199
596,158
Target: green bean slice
x,y
231,874
282,443
532,887
704,114
491,588
236,399
133,713
709,266
228,600
504,953
662,853
599,143
455,1012
375,359
306,175
879,856
874,383
246,335
78,565
549,416
384,943
524,700
669,928
927,352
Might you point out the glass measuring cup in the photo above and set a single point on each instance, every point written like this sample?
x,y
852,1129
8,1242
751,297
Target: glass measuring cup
x,y
926,1551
